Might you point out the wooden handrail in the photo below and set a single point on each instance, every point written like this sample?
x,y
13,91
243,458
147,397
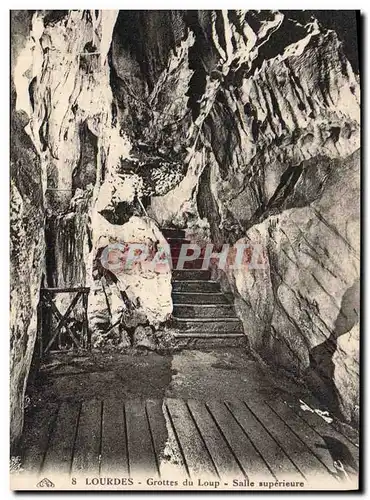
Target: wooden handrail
x,y
79,338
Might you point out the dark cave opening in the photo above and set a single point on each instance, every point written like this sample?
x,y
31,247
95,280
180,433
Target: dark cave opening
x,y
85,171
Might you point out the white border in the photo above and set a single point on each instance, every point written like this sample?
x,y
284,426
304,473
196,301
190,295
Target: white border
x,y
4,183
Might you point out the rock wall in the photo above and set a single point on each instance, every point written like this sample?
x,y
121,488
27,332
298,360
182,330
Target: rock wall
x,y
299,312
27,242
302,181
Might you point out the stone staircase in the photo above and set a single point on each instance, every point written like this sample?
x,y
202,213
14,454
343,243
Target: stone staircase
x,y
202,315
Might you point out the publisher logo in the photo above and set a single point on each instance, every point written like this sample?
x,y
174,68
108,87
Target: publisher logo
x,y
45,483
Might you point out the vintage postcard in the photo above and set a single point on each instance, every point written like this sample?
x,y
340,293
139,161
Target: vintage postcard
x,y
185,250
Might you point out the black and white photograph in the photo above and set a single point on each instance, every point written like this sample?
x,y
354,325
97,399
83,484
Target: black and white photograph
x,y
185,250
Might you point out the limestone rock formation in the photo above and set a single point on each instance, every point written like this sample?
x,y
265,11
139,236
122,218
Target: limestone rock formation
x,y
144,338
236,125
147,287
297,308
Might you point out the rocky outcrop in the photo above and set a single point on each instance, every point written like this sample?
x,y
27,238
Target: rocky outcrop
x,y
299,309
143,290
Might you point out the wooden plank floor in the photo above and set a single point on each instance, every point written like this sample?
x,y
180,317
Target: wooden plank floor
x,y
255,440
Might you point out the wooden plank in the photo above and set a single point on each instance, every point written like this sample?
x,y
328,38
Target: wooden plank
x,y
218,448
196,456
87,446
297,451
141,454
38,427
68,289
114,457
273,454
250,461
167,451
311,439
334,441
60,450
86,330
157,425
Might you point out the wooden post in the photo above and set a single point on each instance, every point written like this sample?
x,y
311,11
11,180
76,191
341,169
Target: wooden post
x,y
60,340
40,324
46,295
87,335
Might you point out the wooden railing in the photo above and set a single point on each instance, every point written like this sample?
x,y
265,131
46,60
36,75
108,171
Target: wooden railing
x,y
81,339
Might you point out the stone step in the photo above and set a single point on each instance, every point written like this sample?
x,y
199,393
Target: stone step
x,y
206,341
199,298
173,233
176,249
208,325
192,264
177,242
204,310
191,274
195,286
